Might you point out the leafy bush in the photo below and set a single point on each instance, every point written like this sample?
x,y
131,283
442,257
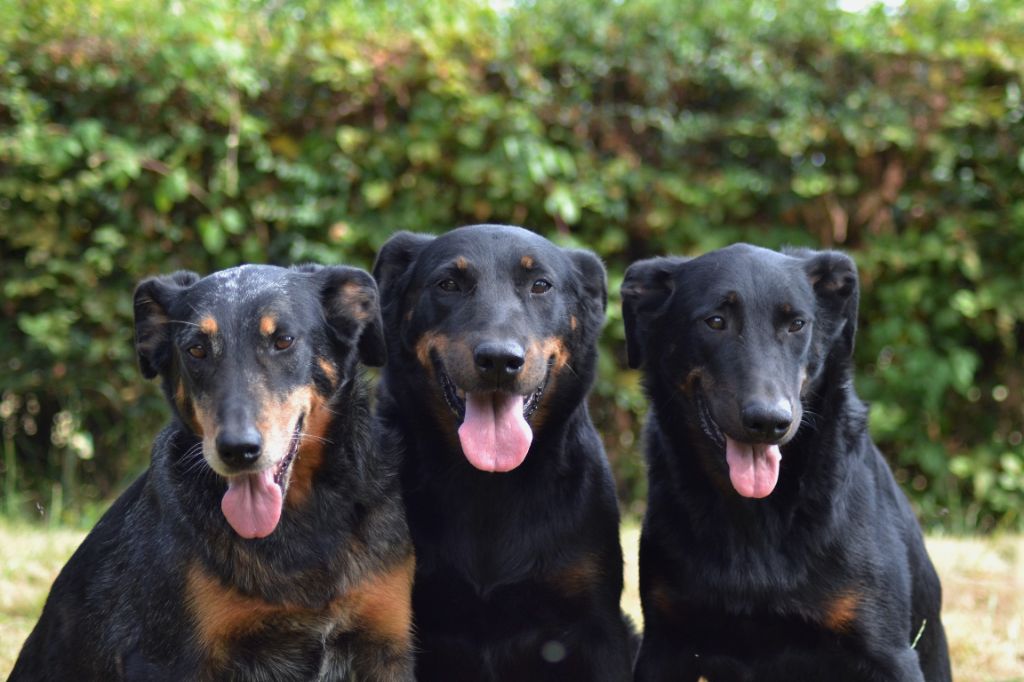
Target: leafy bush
x,y
141,137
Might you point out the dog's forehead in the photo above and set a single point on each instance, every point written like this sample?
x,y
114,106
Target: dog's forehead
x,y
240,288
485,246
751,273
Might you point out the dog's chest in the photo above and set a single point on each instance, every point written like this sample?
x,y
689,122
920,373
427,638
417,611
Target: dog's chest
x,y
246,636
251,639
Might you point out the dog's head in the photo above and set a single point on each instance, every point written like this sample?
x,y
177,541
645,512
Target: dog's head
x,y
497,330
738,337
250,358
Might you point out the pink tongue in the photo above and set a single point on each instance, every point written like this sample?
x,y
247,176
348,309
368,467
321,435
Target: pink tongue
x,y
753,469
252,504
494,434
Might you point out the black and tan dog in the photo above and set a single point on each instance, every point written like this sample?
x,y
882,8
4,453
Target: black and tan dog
x,y
777,545
512,508
266,540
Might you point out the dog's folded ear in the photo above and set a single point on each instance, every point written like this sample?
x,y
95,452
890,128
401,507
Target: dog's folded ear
x,y
834,278
394,258
352,308
594,285
645,290
152,301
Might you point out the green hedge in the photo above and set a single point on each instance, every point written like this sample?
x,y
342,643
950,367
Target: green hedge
x,y
139,137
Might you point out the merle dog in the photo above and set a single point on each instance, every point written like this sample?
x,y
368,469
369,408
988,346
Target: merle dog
x,y
492,347
267,539
776,544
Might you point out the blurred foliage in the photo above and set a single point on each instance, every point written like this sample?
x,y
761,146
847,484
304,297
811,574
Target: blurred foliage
x,y
138,137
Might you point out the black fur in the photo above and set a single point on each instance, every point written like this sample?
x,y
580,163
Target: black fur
x,y
163,588
519,574
827,576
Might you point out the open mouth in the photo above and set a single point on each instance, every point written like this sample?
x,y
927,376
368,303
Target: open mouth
x,y
253,502
707,423
494,433
753,467
455,397
283,467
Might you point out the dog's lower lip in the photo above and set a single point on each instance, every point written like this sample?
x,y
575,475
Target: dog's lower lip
x,y
293,449
707,423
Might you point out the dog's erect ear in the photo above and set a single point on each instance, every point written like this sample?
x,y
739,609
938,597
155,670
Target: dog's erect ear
x,y
593,285
152,300
394,258
645,290
834,278
352,308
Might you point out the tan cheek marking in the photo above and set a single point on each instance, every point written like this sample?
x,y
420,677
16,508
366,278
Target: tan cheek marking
x,y
329,370
310,456
695,376
451,354
841,612
267,325
573,323
208,325
205,421
429,343
187,409
527,262
553,350
276,420
382,604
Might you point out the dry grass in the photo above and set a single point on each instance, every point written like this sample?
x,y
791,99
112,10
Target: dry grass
x,y
29,562
983,610
983,579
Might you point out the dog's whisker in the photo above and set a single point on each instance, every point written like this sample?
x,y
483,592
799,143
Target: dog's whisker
x,y
320,439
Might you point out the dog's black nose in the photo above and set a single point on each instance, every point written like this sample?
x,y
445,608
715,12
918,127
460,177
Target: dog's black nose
x,y
496,360
767,422
239,447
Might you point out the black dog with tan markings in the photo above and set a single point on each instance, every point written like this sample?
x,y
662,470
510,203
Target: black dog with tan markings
x,y
267,539
777,545
512,508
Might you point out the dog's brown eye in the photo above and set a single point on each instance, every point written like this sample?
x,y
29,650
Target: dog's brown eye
x,y
197,352
796,325
541,286
716,322
449,285
284,342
